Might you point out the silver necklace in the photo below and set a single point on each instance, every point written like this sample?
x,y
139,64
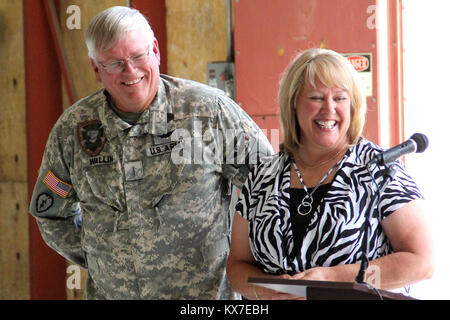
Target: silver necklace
x,y
308,200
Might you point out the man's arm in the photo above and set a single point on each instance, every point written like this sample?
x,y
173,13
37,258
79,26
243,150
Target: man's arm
x,y
54,201
244,142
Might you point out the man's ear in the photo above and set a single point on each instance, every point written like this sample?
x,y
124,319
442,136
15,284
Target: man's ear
x,y
156,51
95,68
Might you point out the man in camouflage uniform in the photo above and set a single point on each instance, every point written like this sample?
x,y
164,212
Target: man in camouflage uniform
x,y
135,180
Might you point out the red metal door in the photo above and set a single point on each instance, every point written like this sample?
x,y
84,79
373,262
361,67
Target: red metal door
x,y
269,33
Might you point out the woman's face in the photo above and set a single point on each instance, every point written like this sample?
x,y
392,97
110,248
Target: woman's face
x,y
324,117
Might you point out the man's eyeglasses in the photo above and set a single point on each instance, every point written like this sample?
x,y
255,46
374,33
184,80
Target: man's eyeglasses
x,y
117,66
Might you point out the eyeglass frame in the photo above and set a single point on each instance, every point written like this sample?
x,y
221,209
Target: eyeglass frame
x,y
122,62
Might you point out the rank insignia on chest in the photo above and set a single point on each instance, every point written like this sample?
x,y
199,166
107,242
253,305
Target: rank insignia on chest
x,y
91,136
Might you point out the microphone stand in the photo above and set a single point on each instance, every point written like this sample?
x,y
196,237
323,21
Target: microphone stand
x,y
389,174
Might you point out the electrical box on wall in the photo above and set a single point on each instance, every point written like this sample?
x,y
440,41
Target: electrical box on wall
x,y
221,75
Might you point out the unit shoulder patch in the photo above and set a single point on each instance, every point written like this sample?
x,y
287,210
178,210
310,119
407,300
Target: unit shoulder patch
x,y
43,202
91,136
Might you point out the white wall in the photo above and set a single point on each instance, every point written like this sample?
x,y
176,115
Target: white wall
x,y
426,31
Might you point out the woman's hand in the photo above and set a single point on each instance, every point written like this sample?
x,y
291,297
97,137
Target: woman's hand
x,y
261,293
317,273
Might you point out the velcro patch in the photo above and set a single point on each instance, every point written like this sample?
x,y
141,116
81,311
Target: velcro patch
x,y
161,148
100,160
91,136
44,202
56,185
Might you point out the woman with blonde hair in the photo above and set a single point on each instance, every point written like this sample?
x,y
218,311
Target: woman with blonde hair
x,y
302,212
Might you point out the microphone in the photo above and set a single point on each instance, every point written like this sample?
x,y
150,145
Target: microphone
x,y
417,143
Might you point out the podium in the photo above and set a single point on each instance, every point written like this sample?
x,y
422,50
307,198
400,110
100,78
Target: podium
x,y
327,290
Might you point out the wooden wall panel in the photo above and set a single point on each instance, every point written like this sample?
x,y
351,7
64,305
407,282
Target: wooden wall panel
x,y
196,35
12,97
14,258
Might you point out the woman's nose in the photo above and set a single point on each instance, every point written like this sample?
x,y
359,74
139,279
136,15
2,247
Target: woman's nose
x,y
329,105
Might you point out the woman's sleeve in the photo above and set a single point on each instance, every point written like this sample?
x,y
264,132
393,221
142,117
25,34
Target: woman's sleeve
x,y
243,205
401,190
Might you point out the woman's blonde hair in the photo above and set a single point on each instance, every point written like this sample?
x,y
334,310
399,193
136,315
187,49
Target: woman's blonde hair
x,y
333,70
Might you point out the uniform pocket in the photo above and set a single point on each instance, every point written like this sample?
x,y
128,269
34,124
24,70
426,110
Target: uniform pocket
x,y
106,184
160,176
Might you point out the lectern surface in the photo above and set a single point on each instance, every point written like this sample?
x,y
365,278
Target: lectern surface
x,y
327,289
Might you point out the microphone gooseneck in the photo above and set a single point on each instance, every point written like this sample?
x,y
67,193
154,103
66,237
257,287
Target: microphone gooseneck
x,y
417,143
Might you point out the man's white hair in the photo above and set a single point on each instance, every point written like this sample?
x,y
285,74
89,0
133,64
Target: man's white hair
x,y
109,25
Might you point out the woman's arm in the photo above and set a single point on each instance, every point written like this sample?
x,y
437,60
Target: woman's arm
x,y
241,265
411,261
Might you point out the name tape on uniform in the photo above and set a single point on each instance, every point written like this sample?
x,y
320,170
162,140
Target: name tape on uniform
x,y
100,160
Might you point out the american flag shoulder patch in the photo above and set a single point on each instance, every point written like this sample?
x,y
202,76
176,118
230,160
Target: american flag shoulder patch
x,y
56,185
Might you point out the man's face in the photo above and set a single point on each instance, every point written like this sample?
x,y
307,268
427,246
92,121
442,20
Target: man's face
x,y
133,89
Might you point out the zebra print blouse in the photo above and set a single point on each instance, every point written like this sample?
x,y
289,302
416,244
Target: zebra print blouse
x,y
335,232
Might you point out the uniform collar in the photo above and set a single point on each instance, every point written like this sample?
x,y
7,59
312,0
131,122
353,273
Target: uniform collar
x,y
152,121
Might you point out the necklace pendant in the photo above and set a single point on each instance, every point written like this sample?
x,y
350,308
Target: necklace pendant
x,y
306,204
307,201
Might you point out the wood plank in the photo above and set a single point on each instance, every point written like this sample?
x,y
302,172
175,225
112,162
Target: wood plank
x,y
196,35
14,257
12,94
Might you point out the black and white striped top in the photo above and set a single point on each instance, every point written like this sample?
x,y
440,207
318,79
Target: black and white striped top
x,y
334,234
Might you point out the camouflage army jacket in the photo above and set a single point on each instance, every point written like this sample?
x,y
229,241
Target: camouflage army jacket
x,y
154,196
